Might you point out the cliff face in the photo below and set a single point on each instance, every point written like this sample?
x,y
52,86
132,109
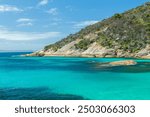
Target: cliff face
x,y
122,35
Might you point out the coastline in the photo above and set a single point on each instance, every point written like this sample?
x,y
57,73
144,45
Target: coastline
x,y
35,54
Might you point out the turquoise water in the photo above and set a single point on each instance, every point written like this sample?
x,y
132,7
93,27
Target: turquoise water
x,y
62,78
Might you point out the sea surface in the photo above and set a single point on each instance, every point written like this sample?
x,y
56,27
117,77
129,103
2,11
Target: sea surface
x,y
64,78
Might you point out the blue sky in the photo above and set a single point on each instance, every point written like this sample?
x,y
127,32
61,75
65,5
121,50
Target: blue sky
x,y
32,24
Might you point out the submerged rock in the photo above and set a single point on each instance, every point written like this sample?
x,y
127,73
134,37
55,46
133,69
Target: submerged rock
x,y
122,63
116,63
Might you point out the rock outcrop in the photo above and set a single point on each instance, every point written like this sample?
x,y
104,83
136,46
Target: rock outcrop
x,y
123,63
122,35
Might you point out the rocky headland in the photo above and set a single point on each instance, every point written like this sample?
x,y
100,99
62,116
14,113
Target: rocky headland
x,y
122,35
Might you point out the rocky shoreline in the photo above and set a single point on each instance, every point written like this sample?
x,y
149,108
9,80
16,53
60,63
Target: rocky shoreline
x,y
87,56
93,52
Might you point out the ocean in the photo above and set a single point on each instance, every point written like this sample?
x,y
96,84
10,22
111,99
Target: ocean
x,y
71,78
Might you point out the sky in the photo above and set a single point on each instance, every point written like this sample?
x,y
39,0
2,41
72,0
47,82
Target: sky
x,y
29,25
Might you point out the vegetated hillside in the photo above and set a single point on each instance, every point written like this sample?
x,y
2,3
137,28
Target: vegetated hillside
x,y
122,35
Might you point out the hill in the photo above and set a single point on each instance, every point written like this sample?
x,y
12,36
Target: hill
x,y
122,35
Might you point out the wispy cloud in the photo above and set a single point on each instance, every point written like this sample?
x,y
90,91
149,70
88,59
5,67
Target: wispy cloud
x,y
24,20
2,27
43,2
53,11
57,19
6,34
8,8
26,24
84,23
69,8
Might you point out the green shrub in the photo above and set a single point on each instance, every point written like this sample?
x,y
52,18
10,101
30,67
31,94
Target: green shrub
x,y
83,44
118,16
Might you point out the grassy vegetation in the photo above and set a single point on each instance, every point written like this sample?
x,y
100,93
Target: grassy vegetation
x,y
129,31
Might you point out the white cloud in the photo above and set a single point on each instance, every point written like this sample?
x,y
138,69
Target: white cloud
x,y
8,8
26,24
53,11
84,23
43,2
6,34
24,20
54,24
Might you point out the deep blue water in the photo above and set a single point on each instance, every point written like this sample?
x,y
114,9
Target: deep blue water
x,y
64,78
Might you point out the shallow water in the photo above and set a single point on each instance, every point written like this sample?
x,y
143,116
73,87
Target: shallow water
x,y
71,78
